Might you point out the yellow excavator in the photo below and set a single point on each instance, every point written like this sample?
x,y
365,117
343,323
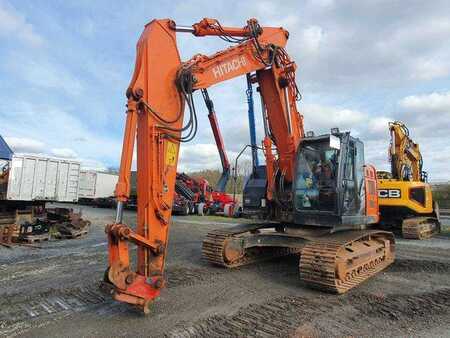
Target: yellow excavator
x,y
405,197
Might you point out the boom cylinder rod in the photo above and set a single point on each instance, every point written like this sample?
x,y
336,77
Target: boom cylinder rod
x,y
288,110
251,121
223,180
211,27
393,142
264,116
119,212
184,29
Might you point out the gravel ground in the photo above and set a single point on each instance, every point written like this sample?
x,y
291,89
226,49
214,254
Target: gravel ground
x,y
53,292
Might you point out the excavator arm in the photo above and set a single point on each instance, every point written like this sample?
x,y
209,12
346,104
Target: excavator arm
x,y
404,154
160,89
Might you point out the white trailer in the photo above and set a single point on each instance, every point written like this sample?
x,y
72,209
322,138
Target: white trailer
x,y
95,184
38,178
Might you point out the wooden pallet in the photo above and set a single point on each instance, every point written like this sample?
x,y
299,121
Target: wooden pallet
x,y
8,233
73,235
10,224
35,238
5,239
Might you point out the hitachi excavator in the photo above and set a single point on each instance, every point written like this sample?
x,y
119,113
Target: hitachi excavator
x,y
319,198
405,197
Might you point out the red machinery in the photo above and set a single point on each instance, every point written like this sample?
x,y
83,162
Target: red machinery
x,y
210,200
222,202
204,198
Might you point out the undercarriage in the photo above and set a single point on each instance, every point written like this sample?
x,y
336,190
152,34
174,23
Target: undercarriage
x,y
420,227
333,262
409,224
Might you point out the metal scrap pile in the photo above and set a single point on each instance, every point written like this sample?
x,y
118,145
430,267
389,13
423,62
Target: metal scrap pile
x,y
67,223
35,226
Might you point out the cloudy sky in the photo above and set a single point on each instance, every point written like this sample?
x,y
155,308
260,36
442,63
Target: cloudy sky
x,y
65,65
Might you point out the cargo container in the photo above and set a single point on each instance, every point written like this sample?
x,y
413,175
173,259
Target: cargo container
x,y
95,184
38,178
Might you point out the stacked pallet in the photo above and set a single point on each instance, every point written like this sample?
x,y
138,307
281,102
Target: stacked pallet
x,y
67,223
33,225
9,230
7,233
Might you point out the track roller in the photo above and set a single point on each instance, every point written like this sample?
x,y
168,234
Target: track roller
x,y
226,247
420,228
342,261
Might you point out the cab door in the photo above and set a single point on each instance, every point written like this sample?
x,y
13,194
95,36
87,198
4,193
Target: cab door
x,y
352,177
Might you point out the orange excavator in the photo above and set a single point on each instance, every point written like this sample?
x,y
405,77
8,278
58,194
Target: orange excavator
x,y
319,198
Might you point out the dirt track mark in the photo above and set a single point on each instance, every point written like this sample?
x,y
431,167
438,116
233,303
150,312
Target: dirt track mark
x,y
415,265
285,316
182,276
56,261
19,313
277,317
22,312
405,308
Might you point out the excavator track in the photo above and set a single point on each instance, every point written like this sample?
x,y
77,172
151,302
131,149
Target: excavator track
x,y
216,250
420,227
333,262
341,261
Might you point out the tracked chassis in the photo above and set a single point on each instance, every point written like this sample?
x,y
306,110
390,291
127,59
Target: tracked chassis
x,y
420,227
331,262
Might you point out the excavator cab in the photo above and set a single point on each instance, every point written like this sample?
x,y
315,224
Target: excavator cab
x,y
329,185
329,188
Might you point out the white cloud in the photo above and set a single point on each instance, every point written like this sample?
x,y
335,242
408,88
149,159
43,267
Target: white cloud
x,y
65,134
13,24
430,69
372,130
322,3
25,145
44,74
426,103
376,153
426,116
379,125
311,39
194,157
90,164
320,118
355,61
32,146
64,152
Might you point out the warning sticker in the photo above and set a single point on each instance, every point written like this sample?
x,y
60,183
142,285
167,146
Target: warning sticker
x,y
171,153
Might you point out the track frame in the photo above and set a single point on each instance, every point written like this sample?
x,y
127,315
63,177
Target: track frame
x,y
333,262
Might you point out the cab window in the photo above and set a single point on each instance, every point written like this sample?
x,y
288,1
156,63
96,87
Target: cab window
x,y
316,174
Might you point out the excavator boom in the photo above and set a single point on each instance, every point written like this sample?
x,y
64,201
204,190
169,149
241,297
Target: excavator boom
x,y
160,88
404,154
